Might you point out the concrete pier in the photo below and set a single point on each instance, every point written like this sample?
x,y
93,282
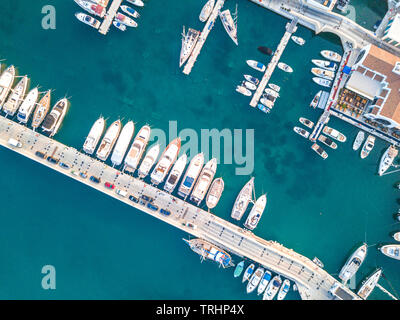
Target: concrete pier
x,y
109,17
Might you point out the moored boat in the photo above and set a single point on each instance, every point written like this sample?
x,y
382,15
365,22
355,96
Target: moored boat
x,y
272,288
148,161
322,82
387,159
176,173
267,102
256,212
283,290
353,263
136,151
256,65
325,74
122,144
321,152
206,10
16,97
129,22
315,100
92,8
367,147
331,55
119,25
328,65
27,105
263,108
214,193
333,133
130,11
251,79
265,50
300,41
138,3
203,182
243,199
243,90
6,81
191,174
248,272
396,236
41,110
86,19
391,251
54,119
108,141
254,280
358,140
229,24
264,282
283,66
189,41
306,122
271,92
239,269
94,136
274,87
250,85
302,132
369,284
327,141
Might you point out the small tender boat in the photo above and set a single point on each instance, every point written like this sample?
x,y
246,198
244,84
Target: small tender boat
x,y
138,3
321,152
175,174
367,147
264,282
109,140
325,74
191,175
248,272
328,65
239,269
331,55
283,290
6,81
215,192
266,50
119,25
314,102
285,67
243,90
263,108
250,85
90,21
328,142
94,136
353,263
396,236
41,110
271,92
256,65
369,284
122,144
126,20
272,288
136,151
251,79
391,251
130,11
204,181
166,161
306,122
254,280
92,8
333,133
274,87
189,41
16,97
322,82
387,159
301,132
229,24
242,201
358,140
256,212
27,105
300,41
206,11
148,161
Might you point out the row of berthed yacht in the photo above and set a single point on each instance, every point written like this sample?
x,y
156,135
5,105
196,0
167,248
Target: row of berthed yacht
x,y
17,100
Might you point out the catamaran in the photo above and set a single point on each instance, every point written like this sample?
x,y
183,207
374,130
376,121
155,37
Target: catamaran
x,y
230,24
283,290
108,141
148,161
86,19
285,67
92,8
215,192
243,90
16,97
206,11
122,143
331,55
129,22
325,74
255,280
239,269
264,282
272,288
256,212
328,65
302,132
368,146
167,159
256,65
54,119
300,41
321,152
41,110
251,79
322,82
315,100
306,122
369,284
243,199
27,105
175,173
274,87
189,41
94,136
6,81
333,133
327,141
391,251
387,159
358,140
353,263
130,11
203,182
191,174
248,272
138,3
136,151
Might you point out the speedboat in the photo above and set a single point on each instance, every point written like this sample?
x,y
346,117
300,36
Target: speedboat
x,y
321,152
325,74
243,90
300,41
27,105
86,19
242,200
396,236
252,79
271,92
391,251
387,159
92,8
109,140
248,272
358,140
122,143
306,122
263,108
327,141
369,284
328,65
6,81
130,11
175,174
322,82
256,212
229,24
333,133
283,290
314,102
54,119
119,25
215,192
204,181
256,65
136,151
148,161
189,41
272,288
129,22
16,97
285,67
367,147
191,174
274,87
41,110
331,55
254,280
301,132
250,85
267,102
239,269
264,282
94,136
353,263
206,11
265,50
138,3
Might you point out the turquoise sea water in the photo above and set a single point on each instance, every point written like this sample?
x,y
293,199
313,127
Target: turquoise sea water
x,y
104,249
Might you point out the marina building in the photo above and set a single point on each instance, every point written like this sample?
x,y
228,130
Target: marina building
x,y
323,4
391,33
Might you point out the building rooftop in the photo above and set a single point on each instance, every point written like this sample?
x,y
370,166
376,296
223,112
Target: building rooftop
x,y
394,30
364,85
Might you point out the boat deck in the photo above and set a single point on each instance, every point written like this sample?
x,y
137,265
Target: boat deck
x,y
109,17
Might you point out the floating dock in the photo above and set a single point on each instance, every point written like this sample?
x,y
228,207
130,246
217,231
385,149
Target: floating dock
x,y
109,17
290,29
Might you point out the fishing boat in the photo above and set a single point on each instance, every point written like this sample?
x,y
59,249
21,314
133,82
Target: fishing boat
x,y
250,85
264,282
191,174
369,284
209,251
204,181
328,65
27,105
148,161
243,90
122,143
302,132
314,102
256,65
283,290
86,19
92,8
251,79
254,280
108,141
136,151
239,269
119,25
215,192
396,236
327,141
271,92
321,152
54,119
333,133
41,110
274,87
272,288
285,67
129,22
265,50
367,147
94,136
130,11
175,174
206,11
248,272
6,81
189,41
387,159
331,55
358,140
322,82
167,159
300,41
242,201
353,263
391,251
325,74
256,212
138,3
230,24
16,97
306,122
263,108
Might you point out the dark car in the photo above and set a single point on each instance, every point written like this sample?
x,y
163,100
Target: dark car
x,y
40,154
146,198
133,199
165,212
83,175
152,207
52,160
64,165
94,179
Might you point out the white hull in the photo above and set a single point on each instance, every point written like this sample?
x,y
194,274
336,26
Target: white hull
x,y
353,263
369,284
331,55
6,81
108,141
325,74
256,213
302,132
322,82
315,101
94,136
298,40
41,110
264,282
229,25
285,67
204,181
387,159
215,192
367,147
248,272
242,201
271,92
191,174
136,151
274,87
358,140
251,79
86,19
256,65
254,280
166,161
189,41
16,97
327,65
243,90
130,11
175,174
206,11
272,288
283,290
391,251
148,161
28,105
91,7
250,85
129,22
321,152
122,143
138,3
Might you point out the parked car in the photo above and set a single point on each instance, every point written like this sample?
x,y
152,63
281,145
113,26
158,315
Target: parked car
x,y
122,193
64,165
52,160
152,207
40,154
165,212
133,199
94,179
109,185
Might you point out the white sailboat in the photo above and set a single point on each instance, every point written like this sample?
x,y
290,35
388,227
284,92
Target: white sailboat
x,y
189,41
256,212
387,159
369,284
254,280
243,199
230,24
215,192
16,97
206,10
358,140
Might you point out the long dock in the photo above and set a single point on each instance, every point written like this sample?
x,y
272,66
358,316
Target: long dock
x,y
312,281
109,17
290,29
203,37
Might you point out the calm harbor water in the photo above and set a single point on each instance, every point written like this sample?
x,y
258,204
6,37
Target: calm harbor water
x,y
103,249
